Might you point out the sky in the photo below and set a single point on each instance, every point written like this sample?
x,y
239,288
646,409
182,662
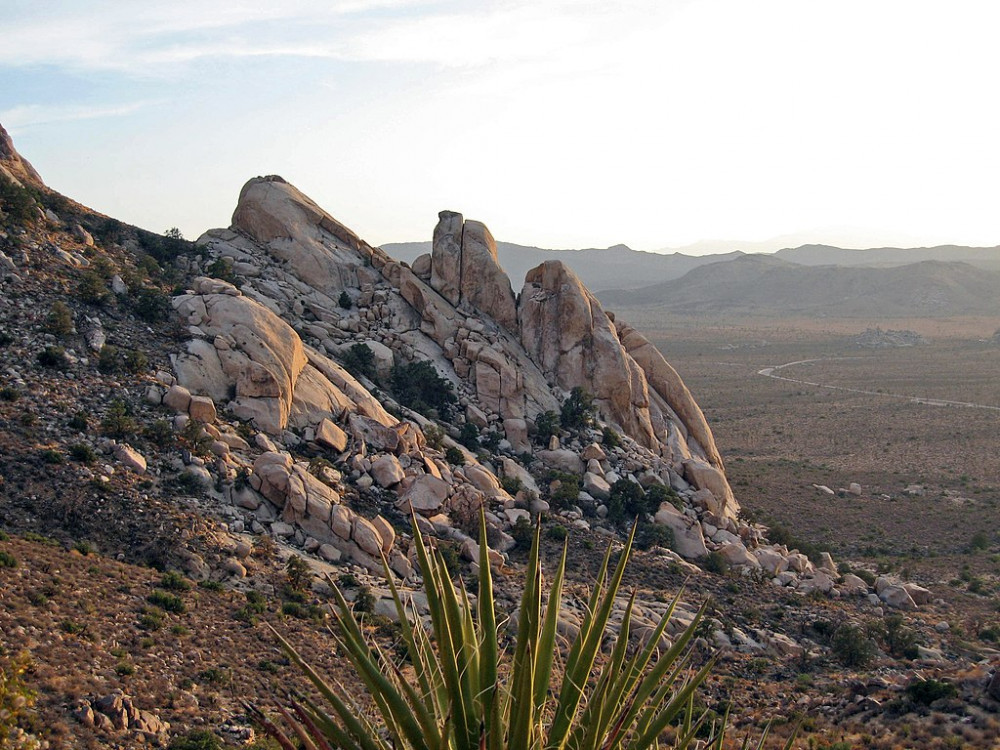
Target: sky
x,y
558,123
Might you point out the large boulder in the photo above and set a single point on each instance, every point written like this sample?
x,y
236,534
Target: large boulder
x,y
566,332
316,247
254,356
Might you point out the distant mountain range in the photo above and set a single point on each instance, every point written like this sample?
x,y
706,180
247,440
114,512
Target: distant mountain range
x,y
769,285
808,280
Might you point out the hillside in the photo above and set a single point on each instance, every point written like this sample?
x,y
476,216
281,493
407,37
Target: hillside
x,y
768,285
193,434
987,258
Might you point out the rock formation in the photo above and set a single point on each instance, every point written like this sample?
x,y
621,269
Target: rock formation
x,y
263,350
13,166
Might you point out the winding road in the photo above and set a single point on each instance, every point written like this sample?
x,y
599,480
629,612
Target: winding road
x,y
770,372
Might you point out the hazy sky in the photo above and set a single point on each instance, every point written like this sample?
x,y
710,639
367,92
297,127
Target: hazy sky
x,y
560,123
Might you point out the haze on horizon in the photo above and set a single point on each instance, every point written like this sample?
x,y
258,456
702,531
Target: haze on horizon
x,y
560,123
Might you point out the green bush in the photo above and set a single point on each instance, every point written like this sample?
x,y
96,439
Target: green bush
x,y
344,300
92,288
546,427
9,393
454,456
54,357
556,532
167,602
79,421
16,203
926,692
628,500
716,563
900,640
852,647
578,410
418,386
135,361
434,435
359,360
610,438
83,453
469,436
151,305
650,535
118,423
16,699
51,456
567,493
297,573
658,494
173,581
7,560
222,269
60,320
160,433
511,485
108,361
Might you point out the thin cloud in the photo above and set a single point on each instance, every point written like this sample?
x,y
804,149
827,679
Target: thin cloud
x,y
18,118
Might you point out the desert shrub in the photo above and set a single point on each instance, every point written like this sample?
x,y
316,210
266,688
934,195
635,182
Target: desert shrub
x,y
418,386
610,438
54,357
150,620
151,305
297,573
222,269
84,547
108,360
979,541
195,439
7,560
434,434
16,203
851,646
658,494
546,426
490,440
92,288
135,361
59,321
511,485
469,436
899,640
364,601
557,532
173,581
9,393
83,453
577,411
198,739
522,531
79,421
359,360
344,300
167,602
52,456
716,563
628,500
118,422
926,692
160,433
650,535
566,493
454,456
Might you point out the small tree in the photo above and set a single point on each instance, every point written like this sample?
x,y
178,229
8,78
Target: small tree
x,y
418,386
359,360
345,300
546,426
578,410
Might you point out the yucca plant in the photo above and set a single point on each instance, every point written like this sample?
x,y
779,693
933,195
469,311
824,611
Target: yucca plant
x,y
466,693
